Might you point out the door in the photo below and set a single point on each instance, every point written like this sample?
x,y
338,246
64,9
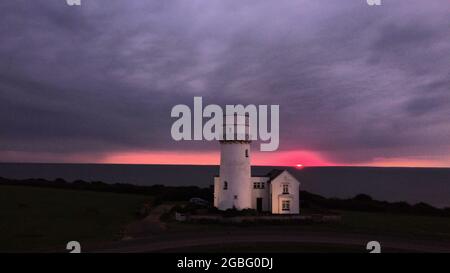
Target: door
x,y
259,204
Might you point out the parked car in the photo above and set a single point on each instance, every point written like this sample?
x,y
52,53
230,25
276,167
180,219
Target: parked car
x,y
199,202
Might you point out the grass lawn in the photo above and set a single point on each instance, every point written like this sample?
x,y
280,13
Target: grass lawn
x,y
40,219
46,219
416,226
373,223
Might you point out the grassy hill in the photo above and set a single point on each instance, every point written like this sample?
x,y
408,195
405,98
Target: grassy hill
x,y
46,219
42,215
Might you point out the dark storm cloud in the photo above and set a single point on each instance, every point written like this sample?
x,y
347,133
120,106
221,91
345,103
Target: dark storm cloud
x,y
353,82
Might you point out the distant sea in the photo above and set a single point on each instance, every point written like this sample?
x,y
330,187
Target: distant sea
x,y
413,185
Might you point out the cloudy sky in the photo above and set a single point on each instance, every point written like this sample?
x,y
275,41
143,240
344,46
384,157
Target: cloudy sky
x,y
356,85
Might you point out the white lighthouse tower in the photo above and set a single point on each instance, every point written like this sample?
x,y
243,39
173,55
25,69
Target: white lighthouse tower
x,y
232,189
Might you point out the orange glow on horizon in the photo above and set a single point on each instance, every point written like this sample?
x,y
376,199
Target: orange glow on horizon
x,y
164,158
284,158
281,158
412,162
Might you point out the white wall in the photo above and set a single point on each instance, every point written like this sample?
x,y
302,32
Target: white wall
x,y
235,170
217,191
278,196
261,193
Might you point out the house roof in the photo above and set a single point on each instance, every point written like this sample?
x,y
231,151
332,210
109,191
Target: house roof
x,y
274,173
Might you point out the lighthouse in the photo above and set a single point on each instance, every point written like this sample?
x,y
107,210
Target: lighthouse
x,y
276,192
233,188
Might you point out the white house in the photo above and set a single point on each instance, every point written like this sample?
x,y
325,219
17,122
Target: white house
x,y
277,192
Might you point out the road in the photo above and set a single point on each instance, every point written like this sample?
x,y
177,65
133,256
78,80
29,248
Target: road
x,y
185,240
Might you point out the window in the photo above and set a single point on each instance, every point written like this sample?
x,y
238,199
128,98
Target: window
x,y
285,189
285,205
235,197
246,152
258,185
225,185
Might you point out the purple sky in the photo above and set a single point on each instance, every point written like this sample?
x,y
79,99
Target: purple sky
x,y
356,84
